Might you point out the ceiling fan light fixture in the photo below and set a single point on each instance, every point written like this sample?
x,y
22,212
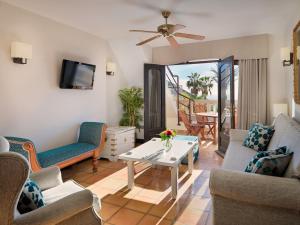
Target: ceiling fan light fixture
x,y
168,31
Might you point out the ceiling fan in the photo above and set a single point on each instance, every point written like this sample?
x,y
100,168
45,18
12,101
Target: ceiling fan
x,y
168,31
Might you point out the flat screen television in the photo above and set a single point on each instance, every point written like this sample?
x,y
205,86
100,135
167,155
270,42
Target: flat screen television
x,y
77,75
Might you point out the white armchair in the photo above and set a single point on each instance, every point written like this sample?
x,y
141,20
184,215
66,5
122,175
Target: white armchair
x,y
66,203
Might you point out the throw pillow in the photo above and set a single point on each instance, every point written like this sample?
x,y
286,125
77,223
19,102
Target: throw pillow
x,y
259,137
272,163
31,197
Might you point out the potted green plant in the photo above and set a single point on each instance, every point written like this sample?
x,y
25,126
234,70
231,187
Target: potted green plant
x,y
133,102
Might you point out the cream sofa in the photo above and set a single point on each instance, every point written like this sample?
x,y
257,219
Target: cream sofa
x,y
67,203
240,198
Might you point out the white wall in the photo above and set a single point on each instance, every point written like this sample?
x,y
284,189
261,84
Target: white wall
x,y
130,61
242,48
32,104
277,84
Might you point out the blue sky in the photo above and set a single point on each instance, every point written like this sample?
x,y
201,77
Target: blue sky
x,y
184,70
187,69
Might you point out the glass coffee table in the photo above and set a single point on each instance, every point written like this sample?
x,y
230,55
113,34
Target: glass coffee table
x,y
155,152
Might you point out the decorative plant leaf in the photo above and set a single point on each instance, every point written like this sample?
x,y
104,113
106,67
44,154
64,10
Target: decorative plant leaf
x,y
132,101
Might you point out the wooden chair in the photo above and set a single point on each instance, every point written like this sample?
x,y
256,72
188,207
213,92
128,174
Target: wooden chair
x,y
199,107
192,129
204,120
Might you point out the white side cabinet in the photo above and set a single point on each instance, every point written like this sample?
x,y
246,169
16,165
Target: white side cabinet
x,y
118,141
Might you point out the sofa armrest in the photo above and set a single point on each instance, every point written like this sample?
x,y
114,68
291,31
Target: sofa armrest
x,y
238,135
256,189
48,177
58,211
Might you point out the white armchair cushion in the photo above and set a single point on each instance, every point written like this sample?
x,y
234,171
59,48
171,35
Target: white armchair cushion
x,y
54,194
65,189
48,177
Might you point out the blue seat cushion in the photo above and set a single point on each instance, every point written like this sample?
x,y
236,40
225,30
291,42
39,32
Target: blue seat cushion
x,y
195,150
60,154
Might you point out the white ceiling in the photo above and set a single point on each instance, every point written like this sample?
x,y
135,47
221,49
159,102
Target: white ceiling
x,y
216,19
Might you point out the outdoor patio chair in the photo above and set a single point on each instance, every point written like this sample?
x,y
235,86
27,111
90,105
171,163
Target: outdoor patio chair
x,y
192,129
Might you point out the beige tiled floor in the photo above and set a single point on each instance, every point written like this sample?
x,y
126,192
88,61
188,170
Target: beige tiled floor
x,y
149,202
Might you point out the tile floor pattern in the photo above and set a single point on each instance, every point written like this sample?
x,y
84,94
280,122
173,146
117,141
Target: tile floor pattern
x,y
149,202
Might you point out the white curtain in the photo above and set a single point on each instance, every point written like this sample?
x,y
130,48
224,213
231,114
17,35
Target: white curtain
x,y
252,99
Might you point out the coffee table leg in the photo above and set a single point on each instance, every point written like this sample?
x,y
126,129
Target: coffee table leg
x,y
130,174
190,162
174,181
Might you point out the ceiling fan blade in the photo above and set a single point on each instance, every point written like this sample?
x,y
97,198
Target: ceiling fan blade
x,y
145,31
178,27
172,41
193,14
190,36
148,40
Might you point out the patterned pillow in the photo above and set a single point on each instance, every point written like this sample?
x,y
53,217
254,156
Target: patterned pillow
x,y
272,163
259,137
31,197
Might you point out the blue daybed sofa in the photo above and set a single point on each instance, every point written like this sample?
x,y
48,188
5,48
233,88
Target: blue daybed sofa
x,y
90,143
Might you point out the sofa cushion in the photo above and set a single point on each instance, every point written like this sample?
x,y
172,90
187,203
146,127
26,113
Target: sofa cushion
x,y
272,163
65,189
60,154
280,126
258,137
291,139
31,197
237,156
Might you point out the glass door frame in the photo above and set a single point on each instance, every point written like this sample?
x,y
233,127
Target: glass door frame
x,y
221,151
150,132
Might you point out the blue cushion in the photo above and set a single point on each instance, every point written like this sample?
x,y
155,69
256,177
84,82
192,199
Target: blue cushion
x,y
31,197
57,155
90,132
195,150
258,137
272,163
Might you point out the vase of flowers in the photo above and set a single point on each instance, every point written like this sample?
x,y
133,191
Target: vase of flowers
x,y
166,136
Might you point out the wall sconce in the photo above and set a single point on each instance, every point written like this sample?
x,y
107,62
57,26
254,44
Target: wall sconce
x,y
20,52
110,68
286,56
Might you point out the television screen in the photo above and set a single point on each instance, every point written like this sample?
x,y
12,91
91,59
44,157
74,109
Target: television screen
x,y
76,75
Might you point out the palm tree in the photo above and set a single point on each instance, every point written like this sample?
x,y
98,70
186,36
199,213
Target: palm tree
x,y
205,85
193,83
